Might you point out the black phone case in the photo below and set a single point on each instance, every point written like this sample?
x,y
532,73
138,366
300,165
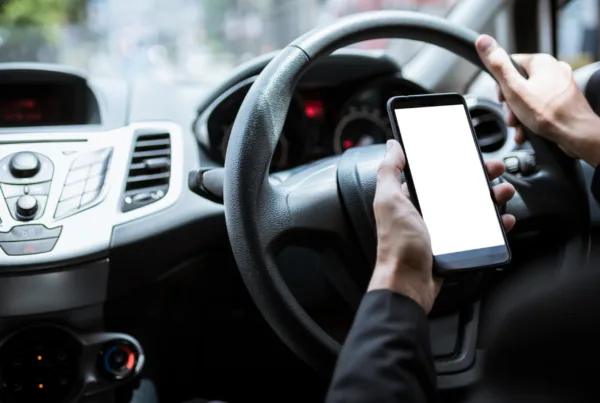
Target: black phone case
x,y
442,99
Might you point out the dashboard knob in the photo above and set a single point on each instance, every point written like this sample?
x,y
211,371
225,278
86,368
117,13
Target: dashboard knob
x,y
24,165
119,360
27,207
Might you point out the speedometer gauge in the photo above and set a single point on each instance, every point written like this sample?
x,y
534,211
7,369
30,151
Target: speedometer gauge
x,y
359,128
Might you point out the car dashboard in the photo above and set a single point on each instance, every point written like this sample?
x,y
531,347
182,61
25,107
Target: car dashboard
x,y
64,174
96,203
328,117
70,177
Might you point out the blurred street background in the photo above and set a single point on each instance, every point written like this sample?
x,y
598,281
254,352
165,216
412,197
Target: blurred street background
x,y
198,40
202,40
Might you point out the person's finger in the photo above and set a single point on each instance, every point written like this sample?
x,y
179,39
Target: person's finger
x,y
389,193
509,221
439,282
565,66
393,163
499,64
500,94
405,190
524,60
511,118
520,135
494,169
503,192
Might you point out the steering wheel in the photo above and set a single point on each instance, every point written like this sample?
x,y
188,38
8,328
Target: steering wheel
x,y
329,202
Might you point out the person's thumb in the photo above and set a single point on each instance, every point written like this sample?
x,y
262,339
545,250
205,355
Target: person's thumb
x,y
393,162
499,64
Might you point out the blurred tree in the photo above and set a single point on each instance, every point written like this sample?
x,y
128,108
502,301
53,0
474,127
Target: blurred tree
x,y
29,27
47,13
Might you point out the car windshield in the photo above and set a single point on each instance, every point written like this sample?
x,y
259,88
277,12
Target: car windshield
x,y
199,40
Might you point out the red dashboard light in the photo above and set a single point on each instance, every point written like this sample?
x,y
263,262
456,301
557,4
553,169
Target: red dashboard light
x,y
348,144
314,109
130,361
25,103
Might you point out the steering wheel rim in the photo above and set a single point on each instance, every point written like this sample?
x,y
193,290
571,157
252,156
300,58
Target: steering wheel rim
x,y
257,213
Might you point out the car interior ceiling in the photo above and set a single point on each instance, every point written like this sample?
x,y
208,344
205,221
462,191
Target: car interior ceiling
x,y
117,266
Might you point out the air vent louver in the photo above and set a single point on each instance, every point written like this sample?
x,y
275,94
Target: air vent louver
x,y
489,127
149,170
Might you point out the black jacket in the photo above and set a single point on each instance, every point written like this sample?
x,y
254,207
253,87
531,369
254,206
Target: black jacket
x,y
546,348
386,357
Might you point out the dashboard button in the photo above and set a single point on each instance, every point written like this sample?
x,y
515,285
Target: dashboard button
x,y
101,155
84,182
21,172
71,191
24,165
94,183
89,197
28,247
91,158
26,207
97,169
67,207
12,206
29,233
84,160
118,361
77,175
81,162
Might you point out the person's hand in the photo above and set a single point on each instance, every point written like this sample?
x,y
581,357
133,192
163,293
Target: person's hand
x,y
404,257
549,103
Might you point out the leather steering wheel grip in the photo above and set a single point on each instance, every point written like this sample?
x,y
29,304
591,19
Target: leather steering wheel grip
x,y
254,210
390,24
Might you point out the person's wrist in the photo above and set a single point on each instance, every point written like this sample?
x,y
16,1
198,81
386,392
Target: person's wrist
x,y
586,131
394,277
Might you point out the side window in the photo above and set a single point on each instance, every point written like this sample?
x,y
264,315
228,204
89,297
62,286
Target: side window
x,y
578,33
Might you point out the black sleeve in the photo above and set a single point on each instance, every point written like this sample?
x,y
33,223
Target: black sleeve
x,y
386,356
595,188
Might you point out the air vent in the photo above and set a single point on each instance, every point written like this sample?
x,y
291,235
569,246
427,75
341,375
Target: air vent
x,y
149,170
490,128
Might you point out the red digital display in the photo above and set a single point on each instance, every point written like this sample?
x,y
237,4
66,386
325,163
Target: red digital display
x,y
41,104
28,111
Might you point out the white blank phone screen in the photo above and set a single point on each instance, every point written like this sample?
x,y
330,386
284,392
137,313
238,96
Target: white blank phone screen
x,y
449,180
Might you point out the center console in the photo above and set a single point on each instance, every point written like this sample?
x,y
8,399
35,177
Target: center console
x,y
64,192
48,363
66,181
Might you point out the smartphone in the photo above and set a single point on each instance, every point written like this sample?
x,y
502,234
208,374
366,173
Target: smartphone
x,y
448,182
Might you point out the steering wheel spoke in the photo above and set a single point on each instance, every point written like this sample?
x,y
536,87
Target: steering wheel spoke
x,y
315,218
312,205
548,199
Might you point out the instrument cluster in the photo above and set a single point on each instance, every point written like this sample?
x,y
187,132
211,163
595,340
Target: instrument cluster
x,y
322,120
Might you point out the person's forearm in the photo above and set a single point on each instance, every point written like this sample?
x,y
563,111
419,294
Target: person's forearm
x,y
386,356
586,130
